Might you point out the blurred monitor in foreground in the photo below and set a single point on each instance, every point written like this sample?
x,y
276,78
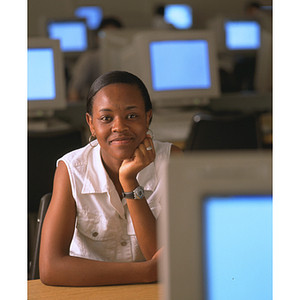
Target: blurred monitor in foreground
x,y
216,227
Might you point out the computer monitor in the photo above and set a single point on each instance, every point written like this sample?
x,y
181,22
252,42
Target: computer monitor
x,y
179,15
235,36
72,33
242,34
45,77
216,227
179,68
92,14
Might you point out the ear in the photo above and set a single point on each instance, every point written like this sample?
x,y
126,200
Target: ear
x,y
89,120
149,117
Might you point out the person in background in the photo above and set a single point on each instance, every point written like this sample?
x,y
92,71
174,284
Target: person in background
x,y
158,21
100,227
254,10
88,66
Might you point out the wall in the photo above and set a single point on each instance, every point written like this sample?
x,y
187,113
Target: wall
x,y
134,13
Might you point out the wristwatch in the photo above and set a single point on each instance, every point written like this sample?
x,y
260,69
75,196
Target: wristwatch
x,y
137,193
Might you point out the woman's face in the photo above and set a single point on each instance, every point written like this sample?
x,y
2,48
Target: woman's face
x,y
119,120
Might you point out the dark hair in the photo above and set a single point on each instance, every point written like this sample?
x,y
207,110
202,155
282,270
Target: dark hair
x,y
160,10
113,78
253,5
110,21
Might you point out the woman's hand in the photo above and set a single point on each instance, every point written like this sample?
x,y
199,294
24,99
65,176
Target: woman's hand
x,y
143,155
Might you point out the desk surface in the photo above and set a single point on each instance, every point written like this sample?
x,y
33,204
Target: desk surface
x,y
37,290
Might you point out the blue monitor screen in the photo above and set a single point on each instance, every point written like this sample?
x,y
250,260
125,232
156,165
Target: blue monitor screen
x,y
238,247
180,65
179,15
92,14
72,35
41,74
242,35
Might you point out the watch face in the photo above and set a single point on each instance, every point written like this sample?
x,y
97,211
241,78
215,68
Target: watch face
x,y
139,192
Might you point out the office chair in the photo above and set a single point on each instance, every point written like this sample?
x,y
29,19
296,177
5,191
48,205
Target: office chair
x,y
225,131
44,148
34,264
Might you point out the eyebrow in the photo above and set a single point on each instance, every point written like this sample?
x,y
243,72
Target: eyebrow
x,y
127,108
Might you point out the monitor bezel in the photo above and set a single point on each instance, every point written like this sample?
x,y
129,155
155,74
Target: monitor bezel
x,y
39,108
142,41
220,173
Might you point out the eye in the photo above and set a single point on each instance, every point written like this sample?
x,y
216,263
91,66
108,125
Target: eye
x,y
132,116
105,118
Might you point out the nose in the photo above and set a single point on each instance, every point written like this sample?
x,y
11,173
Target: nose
x,y
119,125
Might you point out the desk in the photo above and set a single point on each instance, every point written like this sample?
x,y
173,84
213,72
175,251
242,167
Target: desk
x,y
37,290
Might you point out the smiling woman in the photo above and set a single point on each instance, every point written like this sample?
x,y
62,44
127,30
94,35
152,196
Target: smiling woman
x,y
119,120
100,227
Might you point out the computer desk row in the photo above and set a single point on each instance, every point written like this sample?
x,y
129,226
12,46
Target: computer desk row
x,y
173,125
38,291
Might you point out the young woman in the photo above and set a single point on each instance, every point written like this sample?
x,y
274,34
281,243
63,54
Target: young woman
x,y
100,227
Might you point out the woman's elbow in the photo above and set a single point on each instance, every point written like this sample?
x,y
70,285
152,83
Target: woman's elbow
x,y
49,271
46,273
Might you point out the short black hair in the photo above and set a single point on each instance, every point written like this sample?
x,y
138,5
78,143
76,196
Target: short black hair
x,y
110,21
253,4
160,10
113,78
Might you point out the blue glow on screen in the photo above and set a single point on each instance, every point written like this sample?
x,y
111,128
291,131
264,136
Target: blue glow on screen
x,y
40,74
180,64
238,247
72,35
92,14
242,35
179,15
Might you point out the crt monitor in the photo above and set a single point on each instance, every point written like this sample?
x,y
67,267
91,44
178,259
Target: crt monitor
x,y
179,15
92,14
216,227
242,34
45,77
178,67
72,33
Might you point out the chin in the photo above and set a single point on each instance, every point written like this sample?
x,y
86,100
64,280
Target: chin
x,y
123,154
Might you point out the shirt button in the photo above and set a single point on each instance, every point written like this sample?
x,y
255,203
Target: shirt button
x,y
124,243
94,234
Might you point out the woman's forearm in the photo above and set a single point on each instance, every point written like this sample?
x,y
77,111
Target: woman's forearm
x,y
144,224
143,220
75,271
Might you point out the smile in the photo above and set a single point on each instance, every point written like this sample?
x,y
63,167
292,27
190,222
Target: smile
x,y
121,141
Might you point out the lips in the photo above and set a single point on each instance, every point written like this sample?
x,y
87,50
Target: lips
x,y
119,141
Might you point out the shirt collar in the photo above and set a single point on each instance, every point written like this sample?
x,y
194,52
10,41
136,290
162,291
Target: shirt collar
x,y
96,178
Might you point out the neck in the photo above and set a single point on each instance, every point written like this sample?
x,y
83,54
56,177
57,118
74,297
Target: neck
x,y
112,170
